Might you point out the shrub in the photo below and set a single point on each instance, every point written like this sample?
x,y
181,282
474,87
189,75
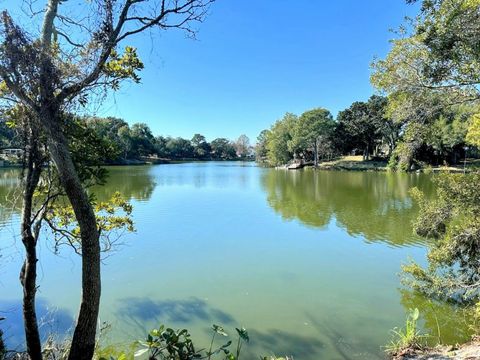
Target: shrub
x,y
450,220
168,344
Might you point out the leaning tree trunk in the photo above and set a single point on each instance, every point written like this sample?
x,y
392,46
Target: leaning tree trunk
x,y
28,274
83,341
50,114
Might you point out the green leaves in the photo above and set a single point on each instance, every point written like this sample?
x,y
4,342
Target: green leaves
x,y
113,217
311,125
243,334
415,314
219,330
168,344
409,337
452,220
123,67
473,132
278,138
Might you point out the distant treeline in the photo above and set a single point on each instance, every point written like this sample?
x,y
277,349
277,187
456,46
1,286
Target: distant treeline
x,y
122,142
367,128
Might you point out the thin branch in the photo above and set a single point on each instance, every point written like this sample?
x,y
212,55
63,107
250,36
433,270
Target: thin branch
x,y
68,39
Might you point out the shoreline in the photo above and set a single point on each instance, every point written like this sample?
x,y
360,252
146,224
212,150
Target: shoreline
x,y
467,351
356,163
141,162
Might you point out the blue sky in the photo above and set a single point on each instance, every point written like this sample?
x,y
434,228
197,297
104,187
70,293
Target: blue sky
x,y
253,61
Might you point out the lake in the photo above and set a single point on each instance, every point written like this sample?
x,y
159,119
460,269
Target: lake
x,y
308,261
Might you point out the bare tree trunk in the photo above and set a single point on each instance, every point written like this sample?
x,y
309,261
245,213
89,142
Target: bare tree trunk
x,y
315,151
83,342
28,274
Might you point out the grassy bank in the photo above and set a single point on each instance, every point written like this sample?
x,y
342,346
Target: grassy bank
x,y
356,163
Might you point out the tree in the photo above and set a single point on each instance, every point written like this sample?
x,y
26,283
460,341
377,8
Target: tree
x,y
58,69
161,146
313,127
447,136
108,130
427,75
223,149
452,221
126,141
261,150
430,71
278,151
434,64
366,125
106,127
7,136
41,193
388,130
179,148
358,126
242,146
450,31
30,226
473,132
201,147
143,142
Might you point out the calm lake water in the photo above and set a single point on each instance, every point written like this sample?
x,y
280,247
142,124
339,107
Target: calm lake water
x,y
307,261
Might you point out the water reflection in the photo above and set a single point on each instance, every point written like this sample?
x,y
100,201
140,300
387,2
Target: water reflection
x,y
9,203
134,183
140,313
210,233
204,174
376,206
51,320
445,322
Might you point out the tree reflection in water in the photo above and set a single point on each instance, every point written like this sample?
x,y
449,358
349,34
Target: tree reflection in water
x,y
374,205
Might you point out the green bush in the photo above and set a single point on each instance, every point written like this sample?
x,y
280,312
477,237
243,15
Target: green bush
x,y
450,220
169,344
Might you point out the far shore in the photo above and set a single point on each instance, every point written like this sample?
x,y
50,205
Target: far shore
x,y
141,161
344,163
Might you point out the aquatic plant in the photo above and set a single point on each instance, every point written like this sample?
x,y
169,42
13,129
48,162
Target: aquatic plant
x,y
408,338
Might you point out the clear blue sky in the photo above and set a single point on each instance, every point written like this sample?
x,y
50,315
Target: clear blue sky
x,y
255,60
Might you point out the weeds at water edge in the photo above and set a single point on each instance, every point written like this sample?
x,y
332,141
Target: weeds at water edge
x,y
408,338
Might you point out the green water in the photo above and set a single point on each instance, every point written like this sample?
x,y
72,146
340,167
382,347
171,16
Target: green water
x,y
307,261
